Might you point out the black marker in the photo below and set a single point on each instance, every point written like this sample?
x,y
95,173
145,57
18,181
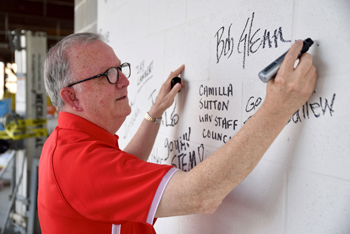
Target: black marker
x,y
271,70
174,81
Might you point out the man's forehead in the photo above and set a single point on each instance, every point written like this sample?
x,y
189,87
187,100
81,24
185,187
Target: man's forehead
x,y
92,57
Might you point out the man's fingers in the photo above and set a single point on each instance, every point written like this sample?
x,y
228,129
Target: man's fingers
x,y
304,65
291,56
177,72
310,69
175,90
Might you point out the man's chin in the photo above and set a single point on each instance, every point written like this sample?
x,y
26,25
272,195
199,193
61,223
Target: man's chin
x,y
129,111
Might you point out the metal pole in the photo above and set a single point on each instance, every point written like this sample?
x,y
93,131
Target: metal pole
x,y
2,172
32,214
13,197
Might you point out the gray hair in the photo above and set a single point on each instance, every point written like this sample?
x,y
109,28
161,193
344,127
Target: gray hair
x,y
56,70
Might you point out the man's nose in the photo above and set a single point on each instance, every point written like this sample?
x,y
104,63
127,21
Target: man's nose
x,y
123,81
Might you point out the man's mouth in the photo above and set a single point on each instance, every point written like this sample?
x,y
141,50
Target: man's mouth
x,y
121,98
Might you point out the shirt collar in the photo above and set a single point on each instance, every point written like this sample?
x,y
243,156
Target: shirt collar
x,y
74,122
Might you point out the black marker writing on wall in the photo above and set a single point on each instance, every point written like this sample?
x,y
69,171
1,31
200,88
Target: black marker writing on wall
x,y
310,109
224,47
252,105
209,101
187,161
173,119
183,156
316,109
207,91
248,43
214,91
151,96
217,136
179,145
144,74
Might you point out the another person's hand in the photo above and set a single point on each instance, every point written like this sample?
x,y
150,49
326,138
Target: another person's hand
x,y
292,87
166,95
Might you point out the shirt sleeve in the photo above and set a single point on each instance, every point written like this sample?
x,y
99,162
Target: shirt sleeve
x,y
109,185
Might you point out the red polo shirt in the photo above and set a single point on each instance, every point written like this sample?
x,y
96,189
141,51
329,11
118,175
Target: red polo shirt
x,y
88,185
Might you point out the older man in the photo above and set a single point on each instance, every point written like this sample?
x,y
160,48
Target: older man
x,y
88,185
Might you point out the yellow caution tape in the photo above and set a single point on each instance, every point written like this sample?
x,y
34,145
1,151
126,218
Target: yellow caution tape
x,y
24,128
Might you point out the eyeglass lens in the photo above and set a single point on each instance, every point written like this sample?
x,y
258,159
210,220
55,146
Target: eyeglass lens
x,y
113,73
126,70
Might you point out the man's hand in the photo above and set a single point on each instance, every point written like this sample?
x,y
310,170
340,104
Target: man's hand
x,y
292,87
166,95
143,141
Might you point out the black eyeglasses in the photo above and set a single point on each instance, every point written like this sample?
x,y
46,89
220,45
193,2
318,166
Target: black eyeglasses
x,y
112,74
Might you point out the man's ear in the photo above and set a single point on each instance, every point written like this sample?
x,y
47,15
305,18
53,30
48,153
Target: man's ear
x,y
68,95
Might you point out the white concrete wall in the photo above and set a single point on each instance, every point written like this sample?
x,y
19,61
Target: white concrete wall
x,y
302,184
